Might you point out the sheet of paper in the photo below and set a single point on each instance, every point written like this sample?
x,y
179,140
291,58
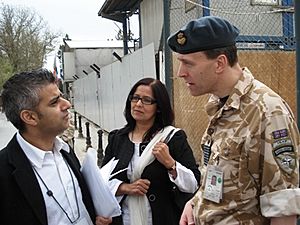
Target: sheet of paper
x,y
105,202
108,168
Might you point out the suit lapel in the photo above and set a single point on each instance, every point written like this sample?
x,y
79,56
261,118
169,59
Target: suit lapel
x,y
26,180
124,158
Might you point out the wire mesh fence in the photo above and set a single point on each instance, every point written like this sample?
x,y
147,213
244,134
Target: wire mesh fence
x,y
266,45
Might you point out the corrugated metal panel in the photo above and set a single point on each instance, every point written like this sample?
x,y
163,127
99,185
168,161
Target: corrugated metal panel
x,y
101,57
106,98
90,96
78,93
69,66
102,100
151,12
116,81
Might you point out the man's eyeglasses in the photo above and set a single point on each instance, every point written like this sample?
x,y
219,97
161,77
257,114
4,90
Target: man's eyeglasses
x,y
145,100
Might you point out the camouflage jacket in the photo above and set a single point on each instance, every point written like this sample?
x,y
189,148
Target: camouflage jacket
x,y
255,143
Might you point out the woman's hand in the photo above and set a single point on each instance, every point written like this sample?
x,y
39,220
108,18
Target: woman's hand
x,y
139,187
100,220
162,154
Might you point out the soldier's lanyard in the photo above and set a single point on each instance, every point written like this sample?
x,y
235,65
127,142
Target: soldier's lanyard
x,y
213,189
207,150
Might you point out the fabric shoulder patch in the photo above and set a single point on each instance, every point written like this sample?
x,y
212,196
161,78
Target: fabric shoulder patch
x,y
283,151
280,133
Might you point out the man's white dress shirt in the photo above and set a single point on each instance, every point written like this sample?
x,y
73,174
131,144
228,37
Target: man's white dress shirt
x,y
57,176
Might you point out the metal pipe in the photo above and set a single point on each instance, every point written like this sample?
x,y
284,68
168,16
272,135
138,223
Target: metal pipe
x,y
125,36
168,55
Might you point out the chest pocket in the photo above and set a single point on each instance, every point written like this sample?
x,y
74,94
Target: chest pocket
x,y
233,160
230,149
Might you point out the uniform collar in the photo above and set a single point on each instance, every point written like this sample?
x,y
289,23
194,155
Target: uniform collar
x,y
234,100
37,156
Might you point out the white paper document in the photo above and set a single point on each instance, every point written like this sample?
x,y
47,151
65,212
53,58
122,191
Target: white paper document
x,y
104,201
108,168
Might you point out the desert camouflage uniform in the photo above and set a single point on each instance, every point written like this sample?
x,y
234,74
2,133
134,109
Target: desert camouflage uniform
x,y
256,145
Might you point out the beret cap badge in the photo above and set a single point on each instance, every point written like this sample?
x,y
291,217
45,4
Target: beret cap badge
x,y
181,38
202,34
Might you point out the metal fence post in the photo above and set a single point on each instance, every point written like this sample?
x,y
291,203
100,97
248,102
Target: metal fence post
x,y
100,147
80,135
88,136
75,120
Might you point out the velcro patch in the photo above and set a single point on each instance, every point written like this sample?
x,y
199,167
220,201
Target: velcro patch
x,y
283,150
282,142
287,163
285,158
280,133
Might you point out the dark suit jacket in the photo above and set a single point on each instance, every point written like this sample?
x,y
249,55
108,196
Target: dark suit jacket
x,y
161,191
21,199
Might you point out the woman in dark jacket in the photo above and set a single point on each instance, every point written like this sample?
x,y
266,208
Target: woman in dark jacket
x,y
152,168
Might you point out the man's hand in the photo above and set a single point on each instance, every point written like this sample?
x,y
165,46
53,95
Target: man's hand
x,y
187,217
286,220
100,220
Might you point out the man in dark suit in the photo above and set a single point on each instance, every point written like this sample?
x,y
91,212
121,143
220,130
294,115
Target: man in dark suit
x,y
40,179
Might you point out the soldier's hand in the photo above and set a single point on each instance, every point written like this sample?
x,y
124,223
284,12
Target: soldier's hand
x,y
187,217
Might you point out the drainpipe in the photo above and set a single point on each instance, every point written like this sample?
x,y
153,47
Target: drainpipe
x,y
125,38
168,55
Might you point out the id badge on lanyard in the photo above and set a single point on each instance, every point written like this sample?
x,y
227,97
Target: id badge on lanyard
x,y
213,189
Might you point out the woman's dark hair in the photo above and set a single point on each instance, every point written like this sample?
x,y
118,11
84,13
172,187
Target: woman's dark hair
x,y
164,113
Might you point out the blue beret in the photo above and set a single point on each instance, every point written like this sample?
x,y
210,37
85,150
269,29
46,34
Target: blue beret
x,y
202,34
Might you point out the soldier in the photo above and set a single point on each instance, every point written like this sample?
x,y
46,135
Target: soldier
x,y
251,144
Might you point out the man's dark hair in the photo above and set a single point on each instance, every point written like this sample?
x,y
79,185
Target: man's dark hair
x,y
230,52
21,92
